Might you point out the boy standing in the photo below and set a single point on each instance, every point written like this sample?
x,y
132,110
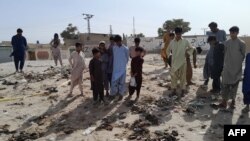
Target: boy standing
x,y
120,58
235,50
77,63
136,71
105,63
180,48
96,76
220,37
215,60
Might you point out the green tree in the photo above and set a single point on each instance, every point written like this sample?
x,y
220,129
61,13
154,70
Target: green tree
x,y
71,32
170,25
137,35
160,32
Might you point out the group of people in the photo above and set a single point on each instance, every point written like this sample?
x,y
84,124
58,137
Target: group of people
x,y
107,69
223,60
108,66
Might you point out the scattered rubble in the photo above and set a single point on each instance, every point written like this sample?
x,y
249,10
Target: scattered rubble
x,y
25,136
104,126
52,89
152,118
189,110
6,82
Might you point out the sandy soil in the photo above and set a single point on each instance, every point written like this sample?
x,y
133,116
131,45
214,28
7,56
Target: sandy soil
x,y
35,106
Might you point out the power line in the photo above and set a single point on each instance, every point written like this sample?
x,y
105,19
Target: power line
x,y
110,30
88,17
205,30
134,26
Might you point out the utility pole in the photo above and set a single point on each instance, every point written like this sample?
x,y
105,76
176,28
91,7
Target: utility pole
x,y
88,17
204,29
134,26
110,30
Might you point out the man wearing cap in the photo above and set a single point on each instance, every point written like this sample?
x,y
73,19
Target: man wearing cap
x,y
19,45
180,48
105,63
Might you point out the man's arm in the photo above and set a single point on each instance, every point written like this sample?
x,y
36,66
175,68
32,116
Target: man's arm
x,y
70,60
194,58
243,50
25,43
224,36
13,41
168,51
91,70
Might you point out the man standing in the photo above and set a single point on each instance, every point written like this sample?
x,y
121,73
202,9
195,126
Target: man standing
x,y
189,67
215,31
120,60
180,49
235,50
220,37
19,45
215,59
110,60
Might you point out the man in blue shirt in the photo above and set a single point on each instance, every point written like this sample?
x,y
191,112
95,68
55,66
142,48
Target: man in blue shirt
x,y
19,45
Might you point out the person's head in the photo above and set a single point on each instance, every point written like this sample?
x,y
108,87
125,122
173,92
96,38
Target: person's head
x,y
102,46
139,51
178,32
19,31
171,35
137,41
96,53
56,36
211,40
234,31
111,39
118,40
78,47
213,26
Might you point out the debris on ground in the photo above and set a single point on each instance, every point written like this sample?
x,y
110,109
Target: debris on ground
x,y
164,102
189,110
89,130
6,82
16,104
104,126
152,118
52,89
25,136
2,88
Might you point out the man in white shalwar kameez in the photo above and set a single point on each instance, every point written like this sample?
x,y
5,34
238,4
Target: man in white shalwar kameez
x,y
77,62
235,50
180,49
120,60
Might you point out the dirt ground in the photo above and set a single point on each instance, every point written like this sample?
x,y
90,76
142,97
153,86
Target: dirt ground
x,y
36,106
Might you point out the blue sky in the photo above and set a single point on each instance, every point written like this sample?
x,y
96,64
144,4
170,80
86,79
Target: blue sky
x,y
40,19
